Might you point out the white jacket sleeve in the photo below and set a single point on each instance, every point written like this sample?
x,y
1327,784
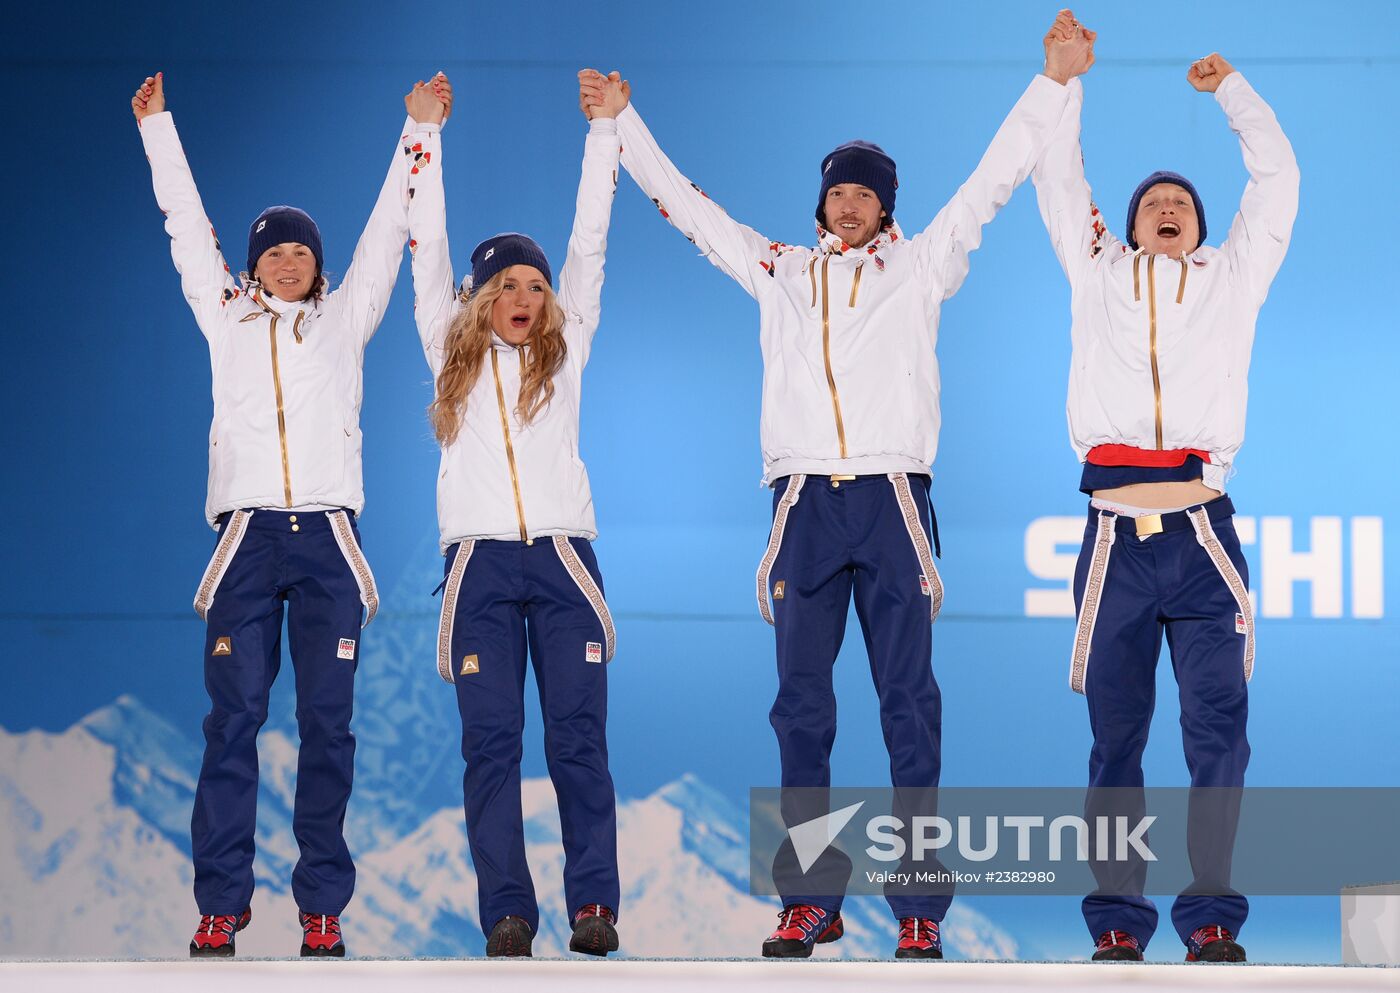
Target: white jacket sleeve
x,y
733,248
434,290
944,246
1260,232
365,290
204,275
1077,229
581,279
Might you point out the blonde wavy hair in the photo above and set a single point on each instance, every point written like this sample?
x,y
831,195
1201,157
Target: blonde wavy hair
x,y
469,341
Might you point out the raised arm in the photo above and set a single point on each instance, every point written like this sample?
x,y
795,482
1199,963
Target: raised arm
x,y
581,279
204,275
735,249
434,290
374,268
1077,230
945,245
1260,232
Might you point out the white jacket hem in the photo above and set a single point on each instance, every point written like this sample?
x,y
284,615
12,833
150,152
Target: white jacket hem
x,y
864,465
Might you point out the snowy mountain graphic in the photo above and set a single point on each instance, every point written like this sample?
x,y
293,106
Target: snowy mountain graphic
x,y
96,841
94,835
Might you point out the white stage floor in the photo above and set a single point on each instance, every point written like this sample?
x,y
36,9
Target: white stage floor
x,y
689,976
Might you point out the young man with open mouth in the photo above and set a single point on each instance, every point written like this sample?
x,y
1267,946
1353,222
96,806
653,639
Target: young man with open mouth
x,y
1162,329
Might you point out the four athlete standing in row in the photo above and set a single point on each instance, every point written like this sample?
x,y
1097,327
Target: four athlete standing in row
x,y
1162,327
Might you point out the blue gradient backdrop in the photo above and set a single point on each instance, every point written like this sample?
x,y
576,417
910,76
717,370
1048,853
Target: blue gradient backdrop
x,y
104,386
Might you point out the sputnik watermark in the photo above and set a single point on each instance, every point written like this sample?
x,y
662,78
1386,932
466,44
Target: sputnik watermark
x,y
1116,839
1286,841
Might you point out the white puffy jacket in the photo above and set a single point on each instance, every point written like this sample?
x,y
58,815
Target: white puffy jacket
x,y
848,335
1161,345
286,377
501,479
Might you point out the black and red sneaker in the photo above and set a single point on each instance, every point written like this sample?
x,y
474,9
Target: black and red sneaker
x,y
510,938
918,939
1213,944
320,935
800,926
214,936
1117,946
595,932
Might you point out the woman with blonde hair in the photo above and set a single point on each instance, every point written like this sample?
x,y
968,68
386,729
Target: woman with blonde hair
x,y
516,521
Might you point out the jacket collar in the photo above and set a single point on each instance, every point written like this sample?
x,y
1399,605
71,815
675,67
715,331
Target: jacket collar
x,y
501,345
834,244
1130,253
272,305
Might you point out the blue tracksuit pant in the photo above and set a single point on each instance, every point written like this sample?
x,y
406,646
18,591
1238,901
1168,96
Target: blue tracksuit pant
x,y
502,601
1189,582
310,563
874,537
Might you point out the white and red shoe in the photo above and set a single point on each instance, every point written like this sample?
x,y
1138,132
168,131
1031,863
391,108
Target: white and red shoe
x,y
1213,944
800,926
595,931
214,936
1117,946
918,939
320,935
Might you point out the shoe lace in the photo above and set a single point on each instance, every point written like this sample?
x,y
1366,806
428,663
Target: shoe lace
x,y
224,923
806,916
595,910
918,929
1112,939
320,924
1213,932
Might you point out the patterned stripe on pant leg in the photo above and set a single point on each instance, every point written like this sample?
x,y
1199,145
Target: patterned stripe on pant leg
x,y
355,559
1093,595
577,571
219,562
775,542
910,511
449,608
1206,535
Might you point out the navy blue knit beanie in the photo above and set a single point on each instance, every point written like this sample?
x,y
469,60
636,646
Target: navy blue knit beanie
x,y
504,251
1176,180
277,225
859,162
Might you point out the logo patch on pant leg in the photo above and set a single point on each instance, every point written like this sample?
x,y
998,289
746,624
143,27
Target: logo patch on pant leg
x,y
593,652
223,646
1240,626
779,588
346,649
470,666
923,585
